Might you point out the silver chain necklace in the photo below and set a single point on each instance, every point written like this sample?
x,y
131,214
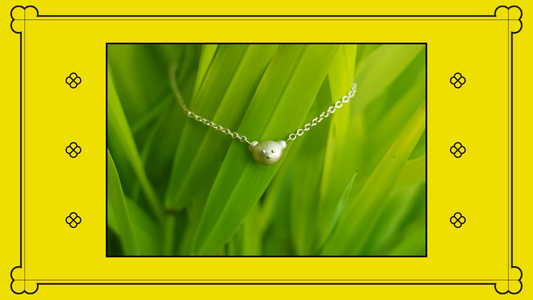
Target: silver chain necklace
x,y
265,152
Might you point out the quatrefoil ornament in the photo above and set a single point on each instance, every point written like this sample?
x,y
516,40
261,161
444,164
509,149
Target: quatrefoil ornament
x,y
73,220
73,80
73,150
457,220
457,150
457,80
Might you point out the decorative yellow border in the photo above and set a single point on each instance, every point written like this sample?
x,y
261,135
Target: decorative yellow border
x,y
53,47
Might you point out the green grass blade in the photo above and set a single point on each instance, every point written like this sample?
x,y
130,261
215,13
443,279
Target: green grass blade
x,y
340,78
144,154
420,148
353,137
118,210
409,244
413,172
196,164
158,163
279,106
278,193
248,239
113,244
155,113
177,53
341,73
397,213
275,220
148,232
118,127
352,232
339,209
308,161
381,69
363,52
286,188
252,233
206,58
138,76
168,134
112,220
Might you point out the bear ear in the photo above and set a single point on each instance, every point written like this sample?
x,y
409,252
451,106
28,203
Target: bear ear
x,y
283,144
252,145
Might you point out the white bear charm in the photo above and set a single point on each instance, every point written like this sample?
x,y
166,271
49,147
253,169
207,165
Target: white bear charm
x,y
267,152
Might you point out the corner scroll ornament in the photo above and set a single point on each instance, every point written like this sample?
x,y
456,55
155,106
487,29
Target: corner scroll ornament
x,y
19,285
513,285
19,14
513,14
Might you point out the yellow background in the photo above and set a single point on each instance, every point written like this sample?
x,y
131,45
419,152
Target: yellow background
x,y
477,251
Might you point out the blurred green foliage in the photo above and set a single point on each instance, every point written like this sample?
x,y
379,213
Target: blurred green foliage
x,y
353,185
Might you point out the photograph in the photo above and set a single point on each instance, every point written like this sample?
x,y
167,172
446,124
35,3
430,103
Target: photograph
x,y
220,150
261,150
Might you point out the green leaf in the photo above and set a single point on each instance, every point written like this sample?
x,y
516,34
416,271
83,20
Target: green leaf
x,y
276,217
380,69
357,143
308,161
277,196
118,210
147,144
409,244
223,98
420,148
158,162
219,201
413,172
340,207
393,219
359,216
279,106
155,113
148,232
206,58
119,128
140,75
248,239
340,80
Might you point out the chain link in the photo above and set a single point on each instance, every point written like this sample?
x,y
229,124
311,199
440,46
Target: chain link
x,y
331,110
199,118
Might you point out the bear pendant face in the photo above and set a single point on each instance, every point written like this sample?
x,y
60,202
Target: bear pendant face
x,y
267,152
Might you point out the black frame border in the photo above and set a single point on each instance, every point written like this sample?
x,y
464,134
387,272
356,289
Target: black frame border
x,y
293,256
22,150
